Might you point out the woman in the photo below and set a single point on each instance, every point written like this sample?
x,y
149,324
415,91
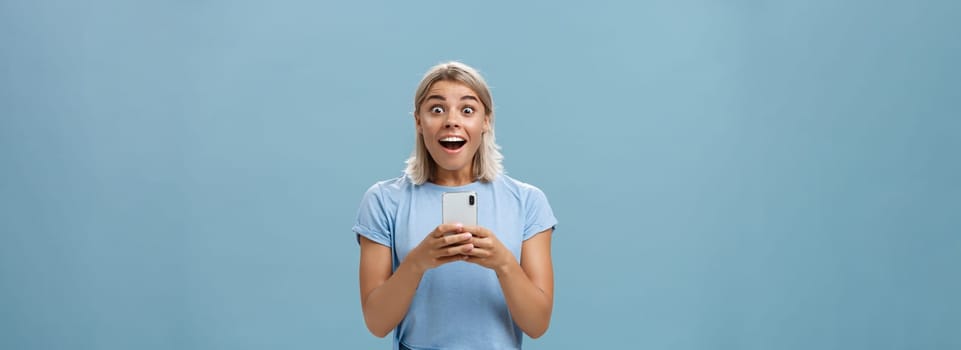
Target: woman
x,y
447,285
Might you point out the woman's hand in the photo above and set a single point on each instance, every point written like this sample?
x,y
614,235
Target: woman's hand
x,y
488,251
447,243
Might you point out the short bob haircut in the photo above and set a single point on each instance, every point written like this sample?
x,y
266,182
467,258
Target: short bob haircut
x,y
487,161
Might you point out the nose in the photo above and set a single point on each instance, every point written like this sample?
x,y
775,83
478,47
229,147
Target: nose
x,y
452,121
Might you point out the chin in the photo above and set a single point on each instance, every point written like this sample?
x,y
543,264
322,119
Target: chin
x,y
448,163
452,167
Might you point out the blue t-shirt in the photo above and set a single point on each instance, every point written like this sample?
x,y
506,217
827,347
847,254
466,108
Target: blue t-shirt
x,y
457,305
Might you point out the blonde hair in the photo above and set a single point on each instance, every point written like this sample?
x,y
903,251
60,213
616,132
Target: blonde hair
x,y
487,161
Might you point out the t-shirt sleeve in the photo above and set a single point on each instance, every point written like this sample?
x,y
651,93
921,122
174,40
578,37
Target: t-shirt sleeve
x,y
374,218
540,216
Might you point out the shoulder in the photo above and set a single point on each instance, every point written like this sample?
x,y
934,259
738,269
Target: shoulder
x,y
400,183
389,190
533,203
518,188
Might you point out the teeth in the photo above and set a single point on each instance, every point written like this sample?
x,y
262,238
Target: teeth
x,y
452,139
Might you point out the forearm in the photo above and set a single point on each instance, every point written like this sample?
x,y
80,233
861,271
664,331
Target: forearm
x,y
385,306
530,306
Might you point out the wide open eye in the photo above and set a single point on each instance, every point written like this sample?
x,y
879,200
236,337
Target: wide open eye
x,y
437,110
468,110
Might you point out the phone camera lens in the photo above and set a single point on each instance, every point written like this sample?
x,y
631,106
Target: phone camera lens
x,y
470,199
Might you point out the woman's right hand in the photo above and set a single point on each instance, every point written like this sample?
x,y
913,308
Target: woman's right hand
x,y
447,243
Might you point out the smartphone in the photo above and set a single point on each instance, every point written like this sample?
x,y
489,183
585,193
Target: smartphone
x,y
460,207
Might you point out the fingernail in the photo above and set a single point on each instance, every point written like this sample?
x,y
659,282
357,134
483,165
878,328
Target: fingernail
x,y
465,235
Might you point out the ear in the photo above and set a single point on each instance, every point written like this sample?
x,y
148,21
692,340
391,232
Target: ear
x,y
487,123
417,125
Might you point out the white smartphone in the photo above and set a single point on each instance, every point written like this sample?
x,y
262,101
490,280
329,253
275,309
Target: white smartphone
x,y
460,207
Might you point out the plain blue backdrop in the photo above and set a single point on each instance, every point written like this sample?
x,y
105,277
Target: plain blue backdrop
x,y
727,174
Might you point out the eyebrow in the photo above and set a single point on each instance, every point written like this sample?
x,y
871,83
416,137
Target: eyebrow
x,y
439,97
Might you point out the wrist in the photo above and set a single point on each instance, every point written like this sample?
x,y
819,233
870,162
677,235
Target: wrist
x,y
413,267
506,269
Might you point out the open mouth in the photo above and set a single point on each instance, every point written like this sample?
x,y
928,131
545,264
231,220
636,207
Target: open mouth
x,y
453,142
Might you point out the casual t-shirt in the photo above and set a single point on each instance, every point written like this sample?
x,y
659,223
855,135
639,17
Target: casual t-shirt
x,y
457,305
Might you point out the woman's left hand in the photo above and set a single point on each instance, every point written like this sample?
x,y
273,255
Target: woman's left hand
x,y
488,251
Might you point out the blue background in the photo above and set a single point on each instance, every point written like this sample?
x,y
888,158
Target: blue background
x,y
727,174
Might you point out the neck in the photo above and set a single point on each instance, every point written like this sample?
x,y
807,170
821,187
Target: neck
x,y
451,178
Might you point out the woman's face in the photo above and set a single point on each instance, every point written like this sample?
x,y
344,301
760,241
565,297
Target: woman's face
x,y
451,120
